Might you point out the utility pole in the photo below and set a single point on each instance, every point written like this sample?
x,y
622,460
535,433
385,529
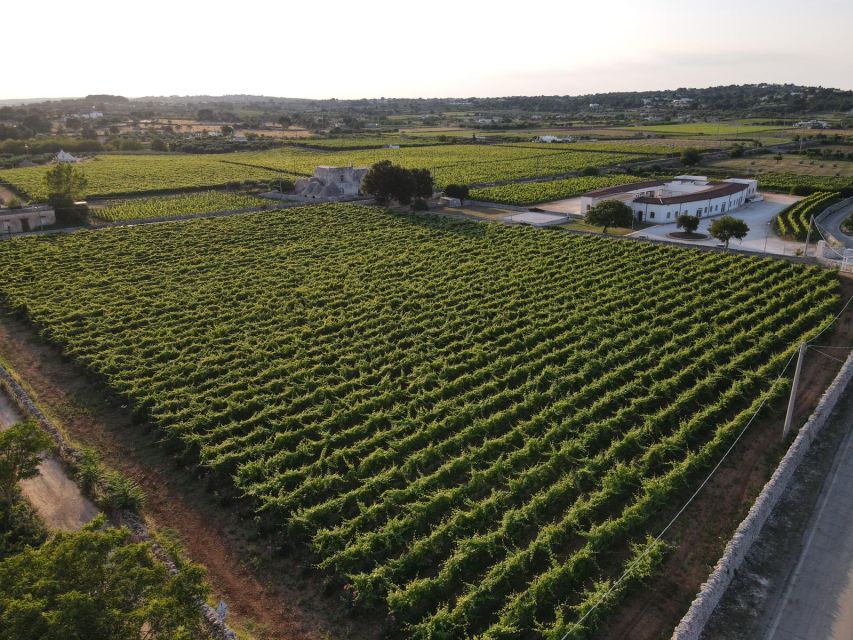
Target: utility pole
x,y
808,237
789,416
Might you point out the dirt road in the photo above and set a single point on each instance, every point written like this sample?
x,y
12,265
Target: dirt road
x,y
55,496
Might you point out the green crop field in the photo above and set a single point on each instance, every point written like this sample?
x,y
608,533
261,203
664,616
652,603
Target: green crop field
x,y
182,204
736,129
472,427
523,193
795,221
459,163
110,175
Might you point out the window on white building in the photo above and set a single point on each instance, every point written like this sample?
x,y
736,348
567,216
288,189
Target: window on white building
x,y
652,214
699,211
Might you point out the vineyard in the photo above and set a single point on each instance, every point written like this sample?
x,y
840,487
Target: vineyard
x,y
788,181
167,206
111,175
473,427
524,193
796,219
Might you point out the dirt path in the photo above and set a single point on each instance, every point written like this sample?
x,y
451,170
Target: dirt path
x,y
270,593
55,496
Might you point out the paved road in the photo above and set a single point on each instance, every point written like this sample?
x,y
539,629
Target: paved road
x,y
832,223
818,601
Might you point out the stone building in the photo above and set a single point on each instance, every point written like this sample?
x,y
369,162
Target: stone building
x,y
330,183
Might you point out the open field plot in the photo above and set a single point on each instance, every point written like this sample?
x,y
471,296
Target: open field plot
x,y
802,165
523,193
109,175
728,129
650,146
168,206
471,426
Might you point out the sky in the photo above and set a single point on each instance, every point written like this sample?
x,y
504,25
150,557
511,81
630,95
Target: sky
x,y
433,48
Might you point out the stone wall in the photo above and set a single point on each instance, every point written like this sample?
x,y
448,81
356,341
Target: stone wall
x,y
693,623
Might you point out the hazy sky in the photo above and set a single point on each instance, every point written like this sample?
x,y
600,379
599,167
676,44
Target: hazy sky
x,y
373,48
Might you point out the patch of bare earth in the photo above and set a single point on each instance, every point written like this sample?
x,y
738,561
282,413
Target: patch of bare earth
x,y
700,535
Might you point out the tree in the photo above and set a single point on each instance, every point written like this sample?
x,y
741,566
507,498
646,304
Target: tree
x,y
386,181
423,183
687,222
726,227
460,191
65,184
690,156
226,129
158,144
20,447
736,151
610,213
97,583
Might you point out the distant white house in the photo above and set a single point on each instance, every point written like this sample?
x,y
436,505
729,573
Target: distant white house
x,y
65,157
238,137
594,105
813,124
682,102
550,138
330,183
662,201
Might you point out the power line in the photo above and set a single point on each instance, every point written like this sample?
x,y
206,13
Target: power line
x,y
704,482
683,508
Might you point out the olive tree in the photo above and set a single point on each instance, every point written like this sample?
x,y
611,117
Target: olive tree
x,y
609,213
687,222
727,227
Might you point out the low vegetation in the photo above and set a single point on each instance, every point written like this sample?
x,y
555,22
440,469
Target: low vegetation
x,y
472,427
525,193
177,205
795,221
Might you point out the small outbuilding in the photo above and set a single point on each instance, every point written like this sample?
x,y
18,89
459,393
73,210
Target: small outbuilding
x,y
65,157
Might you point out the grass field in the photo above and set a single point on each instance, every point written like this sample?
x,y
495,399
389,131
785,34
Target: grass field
x,y
471,427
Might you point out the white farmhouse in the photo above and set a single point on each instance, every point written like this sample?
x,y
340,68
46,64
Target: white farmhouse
x,y
549,139
330,183
65,157
662,201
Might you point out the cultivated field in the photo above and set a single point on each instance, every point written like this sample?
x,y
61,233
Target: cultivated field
x,y
796,164
736,129
472,427
523,193
168,206
123,174
110,175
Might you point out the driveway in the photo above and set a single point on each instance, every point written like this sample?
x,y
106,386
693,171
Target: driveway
x,y
759,216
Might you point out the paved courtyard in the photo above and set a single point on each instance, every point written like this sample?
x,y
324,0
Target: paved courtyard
x,y
758,216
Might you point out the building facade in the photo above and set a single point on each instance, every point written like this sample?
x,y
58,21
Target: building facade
x,y
26,219
331,183
662,201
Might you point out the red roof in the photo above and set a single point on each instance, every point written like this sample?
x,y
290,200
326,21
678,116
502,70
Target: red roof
x,y
717,190
624,188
